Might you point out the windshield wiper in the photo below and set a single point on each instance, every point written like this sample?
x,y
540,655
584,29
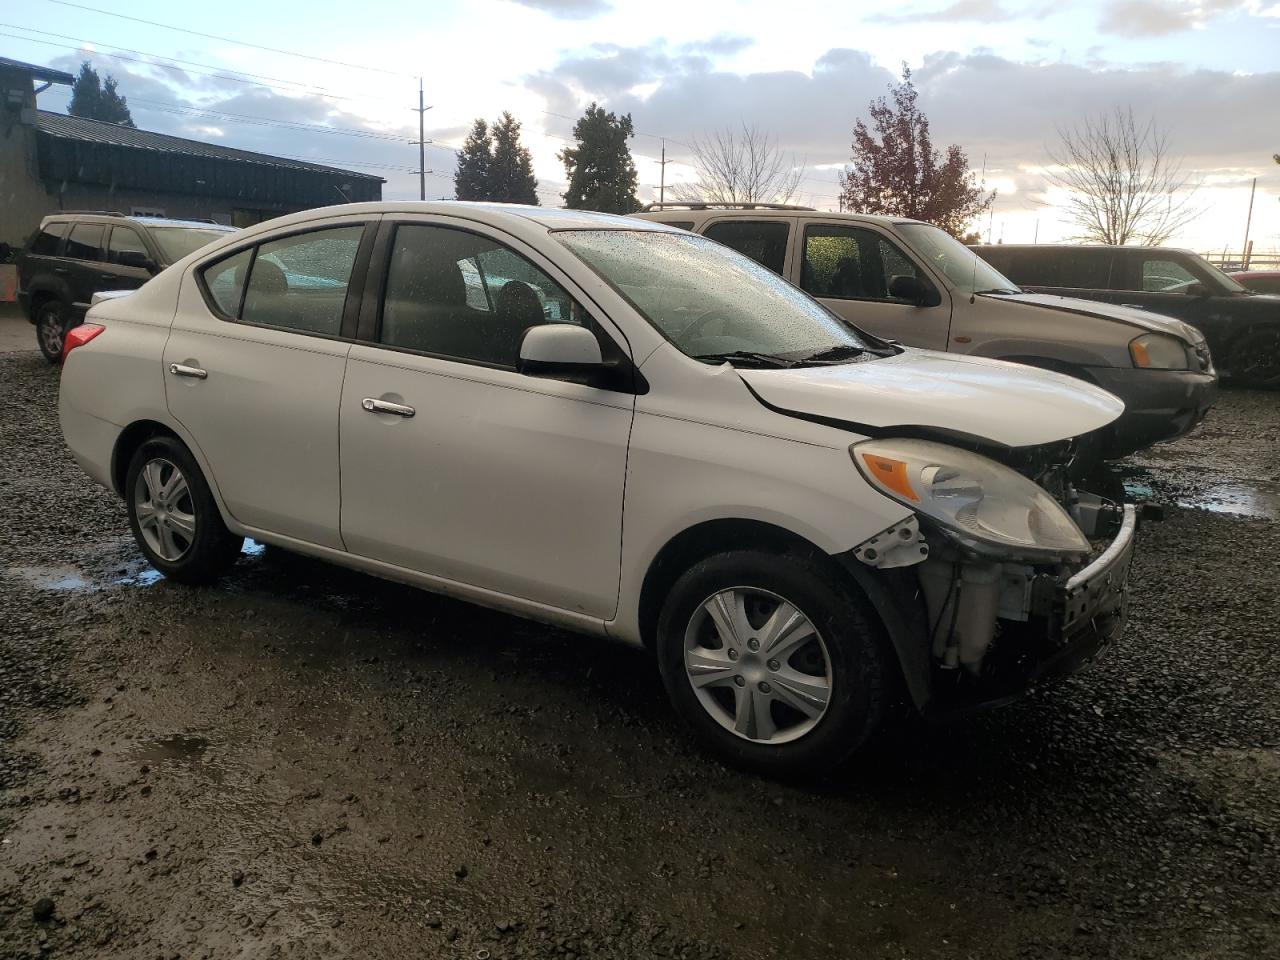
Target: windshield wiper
x,y
841,351
997,291
744,357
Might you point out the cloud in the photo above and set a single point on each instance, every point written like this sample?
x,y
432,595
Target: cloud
x,y
568,9
975,11
1008,111
1157,18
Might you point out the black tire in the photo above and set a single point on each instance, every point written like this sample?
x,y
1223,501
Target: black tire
x,y
52,323
212,548
856,647
1255,360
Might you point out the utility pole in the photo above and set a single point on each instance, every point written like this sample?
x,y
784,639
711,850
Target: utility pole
x,y
422,144
1248,222
662,176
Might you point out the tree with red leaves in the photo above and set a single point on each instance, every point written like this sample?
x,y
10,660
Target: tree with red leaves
x,y
897,172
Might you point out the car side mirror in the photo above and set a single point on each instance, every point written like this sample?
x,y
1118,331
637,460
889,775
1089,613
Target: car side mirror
x,y
563,350
135,258
1197,289
913,290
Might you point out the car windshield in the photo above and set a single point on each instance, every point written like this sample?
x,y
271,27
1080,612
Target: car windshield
x,y
176,242
713,303
966,270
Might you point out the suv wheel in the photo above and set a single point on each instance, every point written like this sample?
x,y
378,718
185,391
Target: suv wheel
x,y
51,329
173,514
776,661
1255,360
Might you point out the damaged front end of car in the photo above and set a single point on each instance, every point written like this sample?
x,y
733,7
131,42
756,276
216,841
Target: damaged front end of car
x,y
1021,576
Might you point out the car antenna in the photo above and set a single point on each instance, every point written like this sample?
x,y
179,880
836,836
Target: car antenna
x,y
973,281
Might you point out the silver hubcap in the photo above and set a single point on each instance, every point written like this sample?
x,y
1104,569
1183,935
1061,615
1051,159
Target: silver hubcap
x,y
757,665
166,515
51,331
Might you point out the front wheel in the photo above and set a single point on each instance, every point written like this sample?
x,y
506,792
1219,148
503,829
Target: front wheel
x,y
173,514
1255,360
51,329
777,662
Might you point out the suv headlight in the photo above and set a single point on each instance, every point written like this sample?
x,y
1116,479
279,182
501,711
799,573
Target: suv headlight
x,y
1155,351
985,505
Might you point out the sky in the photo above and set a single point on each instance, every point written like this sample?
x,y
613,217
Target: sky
x,y
337,83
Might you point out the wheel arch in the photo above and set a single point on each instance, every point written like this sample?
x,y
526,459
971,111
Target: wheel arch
x,y
144,428
894,594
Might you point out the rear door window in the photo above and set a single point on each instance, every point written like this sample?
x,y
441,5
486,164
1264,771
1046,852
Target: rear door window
x,y
1080,268
85,242
764,241
46,241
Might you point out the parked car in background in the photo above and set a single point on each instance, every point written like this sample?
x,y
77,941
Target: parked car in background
x,y
811,514
911,282
1242,328
1259,281
75,255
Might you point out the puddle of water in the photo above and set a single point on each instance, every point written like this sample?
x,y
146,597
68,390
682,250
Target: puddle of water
x,y
143,578
252,548
1257,499
51,578
178,747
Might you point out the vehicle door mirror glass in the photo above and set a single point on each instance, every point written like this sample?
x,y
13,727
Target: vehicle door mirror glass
x,y
909,288
135,258
560,350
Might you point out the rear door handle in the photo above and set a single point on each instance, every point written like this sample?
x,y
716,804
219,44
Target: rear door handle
x,y
182,370
386,406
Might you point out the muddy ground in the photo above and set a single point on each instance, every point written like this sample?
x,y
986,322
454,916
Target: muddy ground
x,y
306,762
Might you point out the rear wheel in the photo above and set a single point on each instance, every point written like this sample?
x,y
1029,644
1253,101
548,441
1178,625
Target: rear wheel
x,y
173,514
1255,360
52,323
776,662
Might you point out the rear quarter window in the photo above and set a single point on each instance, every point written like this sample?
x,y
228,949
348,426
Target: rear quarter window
x,y
45,242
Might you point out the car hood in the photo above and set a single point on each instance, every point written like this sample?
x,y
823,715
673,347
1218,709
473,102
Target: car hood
x,y
997,402
1133,316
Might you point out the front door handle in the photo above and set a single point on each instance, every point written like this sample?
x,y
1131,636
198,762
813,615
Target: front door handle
x,y
386,406
182,370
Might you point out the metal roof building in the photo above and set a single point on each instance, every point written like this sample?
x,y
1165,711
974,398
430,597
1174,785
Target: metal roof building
x,y
51,161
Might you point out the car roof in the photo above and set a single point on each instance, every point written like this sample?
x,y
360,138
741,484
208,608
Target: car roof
x,y
1080,246
70,215
701,214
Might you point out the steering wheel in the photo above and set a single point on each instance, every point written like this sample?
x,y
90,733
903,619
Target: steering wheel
x,y
691,332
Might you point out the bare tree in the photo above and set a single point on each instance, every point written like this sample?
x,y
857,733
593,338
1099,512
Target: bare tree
x,y
746,167
1124,185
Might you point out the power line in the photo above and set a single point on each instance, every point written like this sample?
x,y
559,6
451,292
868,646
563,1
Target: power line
x,y
222,39
255,77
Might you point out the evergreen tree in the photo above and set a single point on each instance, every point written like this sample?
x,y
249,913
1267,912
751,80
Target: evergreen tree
x,y
511,177
601,173
95,100
471,179
898,172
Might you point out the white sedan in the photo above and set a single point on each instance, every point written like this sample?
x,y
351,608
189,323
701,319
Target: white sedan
x,y
622,429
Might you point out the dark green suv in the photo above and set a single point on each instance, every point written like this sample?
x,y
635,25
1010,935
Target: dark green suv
x,y
77,254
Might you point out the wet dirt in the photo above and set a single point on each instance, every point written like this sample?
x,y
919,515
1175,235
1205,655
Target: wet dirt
x,y
308,762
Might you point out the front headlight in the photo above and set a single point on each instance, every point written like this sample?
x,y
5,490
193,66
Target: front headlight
x,y
983,504
1155,351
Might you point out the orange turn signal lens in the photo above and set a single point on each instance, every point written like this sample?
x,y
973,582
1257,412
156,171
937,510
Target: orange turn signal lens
x,y
1138,350
890,474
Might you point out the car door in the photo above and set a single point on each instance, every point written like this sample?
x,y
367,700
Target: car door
x,y
850,269
82,262
122,269
253,370
453,463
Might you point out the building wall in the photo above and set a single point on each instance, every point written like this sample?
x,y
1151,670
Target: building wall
x,y
23,198
89,196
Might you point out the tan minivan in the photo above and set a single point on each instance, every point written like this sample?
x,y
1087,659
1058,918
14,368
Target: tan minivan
x,y
911,282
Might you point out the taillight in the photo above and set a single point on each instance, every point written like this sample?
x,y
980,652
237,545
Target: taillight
x,y
79,336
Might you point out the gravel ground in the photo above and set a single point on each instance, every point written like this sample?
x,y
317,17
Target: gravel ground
x,y
307,762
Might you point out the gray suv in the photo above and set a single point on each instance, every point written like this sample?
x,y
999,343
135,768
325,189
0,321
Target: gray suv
x,y
77,254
